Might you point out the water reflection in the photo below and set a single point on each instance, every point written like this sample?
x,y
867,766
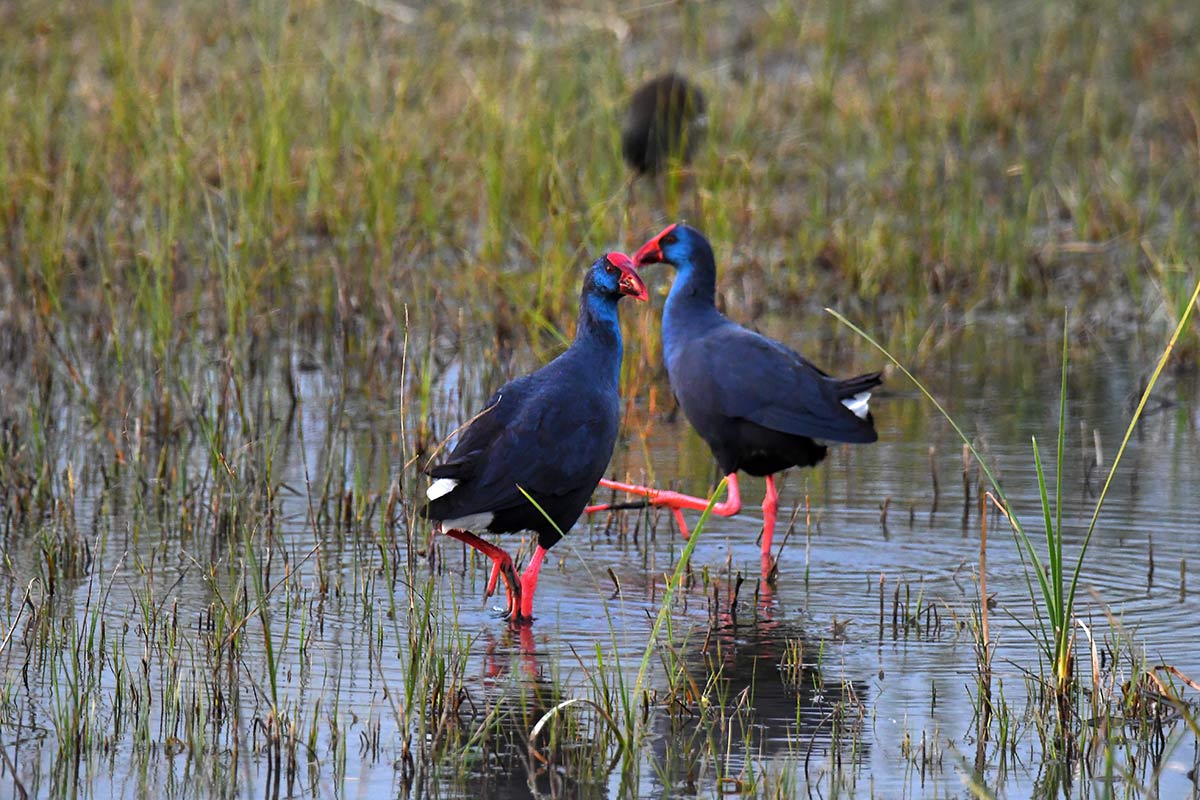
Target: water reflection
x,y
763,688
755,704
571,754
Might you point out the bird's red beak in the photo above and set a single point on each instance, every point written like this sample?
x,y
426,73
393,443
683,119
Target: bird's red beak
x,y
651,252
630,283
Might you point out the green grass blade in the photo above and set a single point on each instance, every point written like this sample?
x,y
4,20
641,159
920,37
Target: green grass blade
x,y
540,510
1023,541
1137,415
995,484
1051,589
1058,461
665,610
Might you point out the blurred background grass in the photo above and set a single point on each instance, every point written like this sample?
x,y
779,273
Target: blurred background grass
x,y
250,174
205,206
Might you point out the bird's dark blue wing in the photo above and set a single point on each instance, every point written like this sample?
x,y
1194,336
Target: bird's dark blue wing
x,y
545,433
744,375
551,447
482,431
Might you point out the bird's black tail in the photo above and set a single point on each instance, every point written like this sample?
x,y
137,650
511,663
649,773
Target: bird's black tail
x,y
861,383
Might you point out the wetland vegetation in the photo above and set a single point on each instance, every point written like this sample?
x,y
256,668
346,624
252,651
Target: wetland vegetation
x,y
257,260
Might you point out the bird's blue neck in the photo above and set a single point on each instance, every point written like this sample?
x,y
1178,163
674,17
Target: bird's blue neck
x,y
691,304
598,335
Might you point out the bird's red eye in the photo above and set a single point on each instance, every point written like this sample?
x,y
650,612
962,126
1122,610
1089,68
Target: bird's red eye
x,y
608,267
669,239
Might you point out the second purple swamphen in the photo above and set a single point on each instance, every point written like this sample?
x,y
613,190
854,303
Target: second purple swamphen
x,y
760,406
531,459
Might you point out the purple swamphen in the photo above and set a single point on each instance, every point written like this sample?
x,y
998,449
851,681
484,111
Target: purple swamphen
x,y
665,120
761,407
531,459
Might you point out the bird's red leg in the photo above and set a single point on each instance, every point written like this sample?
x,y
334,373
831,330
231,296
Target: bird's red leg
x,y
678,501
529,579
491,587
770,506
661,497
502,566
631,488
680,522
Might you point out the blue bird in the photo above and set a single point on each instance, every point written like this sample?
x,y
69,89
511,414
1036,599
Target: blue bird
x,y
532,457
761,407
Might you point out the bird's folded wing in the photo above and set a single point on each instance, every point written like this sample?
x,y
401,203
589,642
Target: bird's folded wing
x,y
479,434
549,451
749,376
536,436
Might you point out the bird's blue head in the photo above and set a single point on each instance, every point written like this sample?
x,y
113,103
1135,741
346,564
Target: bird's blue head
x,y
614,275
678,245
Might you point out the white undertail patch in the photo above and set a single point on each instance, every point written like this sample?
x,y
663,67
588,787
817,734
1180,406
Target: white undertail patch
x,y
471,522
856,404
441,486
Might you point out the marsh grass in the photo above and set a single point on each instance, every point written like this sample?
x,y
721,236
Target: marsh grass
x,y
211,166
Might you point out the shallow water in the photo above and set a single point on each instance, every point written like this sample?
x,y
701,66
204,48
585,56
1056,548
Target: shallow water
x,y
880,707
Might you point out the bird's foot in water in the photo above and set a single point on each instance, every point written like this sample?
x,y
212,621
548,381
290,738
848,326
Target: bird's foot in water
x,y
520,590
517,620
516,610
502,568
